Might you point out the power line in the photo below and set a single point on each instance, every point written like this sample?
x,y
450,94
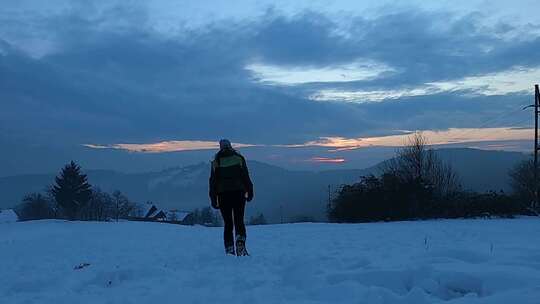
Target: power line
x,y
485,123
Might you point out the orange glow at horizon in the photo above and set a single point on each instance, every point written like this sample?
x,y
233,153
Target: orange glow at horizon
x,y
327,160
336,144
450,136
167,146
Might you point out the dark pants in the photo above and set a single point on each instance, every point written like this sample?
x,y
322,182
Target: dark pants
x,y
232,205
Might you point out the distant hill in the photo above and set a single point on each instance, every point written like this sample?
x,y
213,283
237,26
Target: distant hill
x,y
482,170
279,193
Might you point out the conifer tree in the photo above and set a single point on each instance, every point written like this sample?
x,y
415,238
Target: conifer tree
x,y
72,190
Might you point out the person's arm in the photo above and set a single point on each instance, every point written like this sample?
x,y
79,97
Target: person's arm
x,y
247,180
212,186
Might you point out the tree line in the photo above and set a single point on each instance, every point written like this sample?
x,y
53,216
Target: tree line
x,y
417,184
72,197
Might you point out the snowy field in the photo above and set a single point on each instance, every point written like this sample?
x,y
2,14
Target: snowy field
x,y
454,261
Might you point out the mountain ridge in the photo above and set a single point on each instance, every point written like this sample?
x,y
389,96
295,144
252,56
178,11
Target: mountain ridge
x,y
277,190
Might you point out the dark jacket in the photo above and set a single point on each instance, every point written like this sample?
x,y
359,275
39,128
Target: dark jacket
x,y
229,172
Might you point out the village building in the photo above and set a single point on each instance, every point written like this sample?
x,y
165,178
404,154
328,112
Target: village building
x,y
8,216
152,213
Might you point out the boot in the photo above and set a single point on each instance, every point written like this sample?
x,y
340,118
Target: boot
x,y
241,246
229,250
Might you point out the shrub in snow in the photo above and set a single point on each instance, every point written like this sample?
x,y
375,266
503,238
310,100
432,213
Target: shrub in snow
x,y
36,206
257,220
205,216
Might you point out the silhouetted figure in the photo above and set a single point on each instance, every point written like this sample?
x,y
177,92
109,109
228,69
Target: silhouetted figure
x,y
230,187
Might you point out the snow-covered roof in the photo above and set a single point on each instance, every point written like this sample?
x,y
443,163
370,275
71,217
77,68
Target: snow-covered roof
x,y
8,216
149,210
177,215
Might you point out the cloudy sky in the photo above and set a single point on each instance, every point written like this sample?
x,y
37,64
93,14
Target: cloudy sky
x,y
299,83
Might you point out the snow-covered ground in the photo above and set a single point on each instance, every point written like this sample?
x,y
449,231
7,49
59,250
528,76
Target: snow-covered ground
x,y
454,261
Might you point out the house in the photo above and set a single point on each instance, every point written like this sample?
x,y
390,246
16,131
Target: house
x,y
8,216
152,213
177,215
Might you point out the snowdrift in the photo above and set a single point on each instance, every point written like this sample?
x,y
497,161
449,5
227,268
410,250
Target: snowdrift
x,y
455,261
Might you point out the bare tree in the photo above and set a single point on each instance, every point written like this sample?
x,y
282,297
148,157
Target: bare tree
x,y
416,161
123,207
99,207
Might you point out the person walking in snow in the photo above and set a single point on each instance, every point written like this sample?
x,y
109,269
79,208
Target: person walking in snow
x,y
230,188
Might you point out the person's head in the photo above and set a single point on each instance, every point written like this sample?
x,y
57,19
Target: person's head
x,y
225,144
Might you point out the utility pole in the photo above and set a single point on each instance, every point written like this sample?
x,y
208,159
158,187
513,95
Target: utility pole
x,y
536,194
536,102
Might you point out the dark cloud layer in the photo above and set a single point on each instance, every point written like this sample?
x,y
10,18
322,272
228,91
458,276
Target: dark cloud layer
x,y
114,79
